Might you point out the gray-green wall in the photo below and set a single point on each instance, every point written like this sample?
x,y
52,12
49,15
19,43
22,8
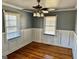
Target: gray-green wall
x,y
65,20
3,22
37,22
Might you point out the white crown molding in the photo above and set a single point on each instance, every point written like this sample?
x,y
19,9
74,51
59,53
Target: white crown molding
x,y
9,5
13,6
69,9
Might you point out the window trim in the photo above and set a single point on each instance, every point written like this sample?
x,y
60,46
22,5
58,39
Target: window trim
x,y
13,13
53,26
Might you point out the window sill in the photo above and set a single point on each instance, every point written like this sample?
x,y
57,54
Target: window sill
x,y
50,34
13,38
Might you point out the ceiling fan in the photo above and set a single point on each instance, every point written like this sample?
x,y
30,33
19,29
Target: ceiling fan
x,y
38,7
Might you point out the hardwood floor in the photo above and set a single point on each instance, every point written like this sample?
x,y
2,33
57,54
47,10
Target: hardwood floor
x,y
36,50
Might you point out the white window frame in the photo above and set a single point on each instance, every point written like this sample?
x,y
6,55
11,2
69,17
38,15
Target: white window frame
x,y
17,33
53,31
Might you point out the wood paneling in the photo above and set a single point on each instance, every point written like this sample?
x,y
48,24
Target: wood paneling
x,y
36,34
62,38
4,45
4,57
36,50
14,44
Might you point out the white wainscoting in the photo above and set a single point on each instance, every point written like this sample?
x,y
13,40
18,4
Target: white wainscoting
x,y
4,57
62,38
14,44
37,34
74,47
4,45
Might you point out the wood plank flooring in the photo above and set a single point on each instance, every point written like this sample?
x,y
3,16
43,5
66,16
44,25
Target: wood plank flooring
x,y
36,50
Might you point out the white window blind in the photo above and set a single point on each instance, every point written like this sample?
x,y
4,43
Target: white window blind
x,y
12,25
50,25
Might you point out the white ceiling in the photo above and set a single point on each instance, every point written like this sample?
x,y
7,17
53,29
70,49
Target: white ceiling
x,y
27,4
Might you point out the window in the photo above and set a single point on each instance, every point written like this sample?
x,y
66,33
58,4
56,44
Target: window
x,y
50,25
12,25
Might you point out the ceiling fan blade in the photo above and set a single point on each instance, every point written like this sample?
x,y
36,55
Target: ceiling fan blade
x,y
34,6
37,7
44,9
47,10
28,10
51,9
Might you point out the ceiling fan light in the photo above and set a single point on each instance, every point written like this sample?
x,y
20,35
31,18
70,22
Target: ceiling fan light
x,y
38,14
42,15
34,14
45,11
